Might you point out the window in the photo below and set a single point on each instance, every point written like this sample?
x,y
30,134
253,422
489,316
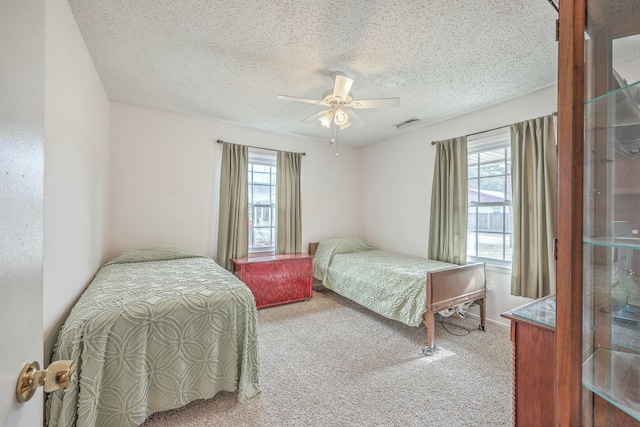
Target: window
x,y
490,218
262,202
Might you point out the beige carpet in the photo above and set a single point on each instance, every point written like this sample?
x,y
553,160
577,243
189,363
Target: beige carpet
x,y
330,362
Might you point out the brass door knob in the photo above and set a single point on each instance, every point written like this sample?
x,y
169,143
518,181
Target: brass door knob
x,y
56,376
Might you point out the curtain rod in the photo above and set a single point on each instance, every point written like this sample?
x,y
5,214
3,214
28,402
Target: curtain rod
x,y
555,113
252,146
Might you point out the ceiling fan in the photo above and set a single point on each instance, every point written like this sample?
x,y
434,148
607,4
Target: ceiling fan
x,y
338,100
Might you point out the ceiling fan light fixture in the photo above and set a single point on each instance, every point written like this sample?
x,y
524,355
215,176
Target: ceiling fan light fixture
x,y
340,118
326,119
335,100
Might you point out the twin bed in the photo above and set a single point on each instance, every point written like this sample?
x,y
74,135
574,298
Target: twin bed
x,y
155,329
158,328
409,289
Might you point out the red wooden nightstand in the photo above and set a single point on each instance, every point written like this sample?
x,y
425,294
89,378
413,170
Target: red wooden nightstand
x,y
276,279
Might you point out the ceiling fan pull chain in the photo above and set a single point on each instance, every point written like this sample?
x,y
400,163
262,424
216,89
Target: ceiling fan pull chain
x,y
334,137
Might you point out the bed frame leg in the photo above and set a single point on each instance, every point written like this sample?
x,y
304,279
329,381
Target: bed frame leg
x,y
429,321
482,314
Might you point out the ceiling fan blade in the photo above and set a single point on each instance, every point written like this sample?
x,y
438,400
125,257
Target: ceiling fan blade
x,y
375,103
314,117
293,98
342,85
355,119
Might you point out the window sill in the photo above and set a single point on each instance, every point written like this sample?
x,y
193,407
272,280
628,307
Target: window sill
x,y
261,253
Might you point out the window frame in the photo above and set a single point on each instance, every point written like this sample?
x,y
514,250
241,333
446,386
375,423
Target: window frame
x,y
499,139
262,158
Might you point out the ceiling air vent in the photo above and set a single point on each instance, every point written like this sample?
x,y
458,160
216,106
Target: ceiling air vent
x,y
406,123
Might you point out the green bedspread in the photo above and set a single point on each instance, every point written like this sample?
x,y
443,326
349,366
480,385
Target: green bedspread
x,y
390,284
155,329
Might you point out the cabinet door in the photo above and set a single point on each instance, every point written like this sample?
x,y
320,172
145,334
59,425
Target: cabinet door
x,y
611,243
534,379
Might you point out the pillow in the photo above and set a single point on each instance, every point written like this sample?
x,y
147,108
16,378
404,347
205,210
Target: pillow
x,y
345,245
328,248
146,254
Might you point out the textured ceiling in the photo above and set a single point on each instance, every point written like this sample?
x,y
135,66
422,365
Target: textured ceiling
x,y
229,60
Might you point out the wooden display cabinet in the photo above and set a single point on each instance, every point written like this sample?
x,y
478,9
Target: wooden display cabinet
x,y
276,279
598,266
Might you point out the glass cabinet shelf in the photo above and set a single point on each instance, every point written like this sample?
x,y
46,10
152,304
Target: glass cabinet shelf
x,y
614,242
615,376
625,101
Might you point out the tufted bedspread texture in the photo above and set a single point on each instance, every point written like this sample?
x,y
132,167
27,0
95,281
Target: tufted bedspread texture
x,y
155,329
388,283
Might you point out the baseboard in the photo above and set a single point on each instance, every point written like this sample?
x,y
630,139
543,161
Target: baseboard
x,y
493,322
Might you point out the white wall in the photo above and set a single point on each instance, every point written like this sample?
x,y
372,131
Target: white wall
x,y
165,180
396,177
76,135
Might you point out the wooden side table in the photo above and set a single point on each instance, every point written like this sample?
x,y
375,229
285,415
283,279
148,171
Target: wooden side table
x,y
276,279
534,351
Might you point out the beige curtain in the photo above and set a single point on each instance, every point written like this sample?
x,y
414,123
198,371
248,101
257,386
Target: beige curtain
x,y
448,221
233,218
289,216
534,180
